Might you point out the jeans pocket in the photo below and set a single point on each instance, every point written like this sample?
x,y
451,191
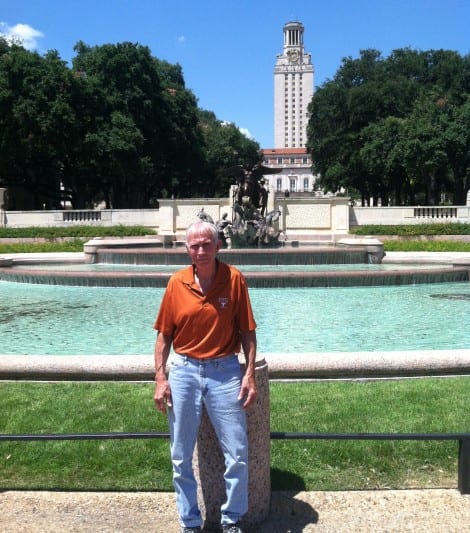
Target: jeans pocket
x,y
176,362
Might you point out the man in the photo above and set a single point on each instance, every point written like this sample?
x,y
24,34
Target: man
x,y
206,314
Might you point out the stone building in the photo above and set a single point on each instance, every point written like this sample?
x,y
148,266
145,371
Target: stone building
x,y
293,91
295,165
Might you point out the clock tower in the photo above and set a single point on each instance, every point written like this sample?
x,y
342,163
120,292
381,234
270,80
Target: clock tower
x,y
293,89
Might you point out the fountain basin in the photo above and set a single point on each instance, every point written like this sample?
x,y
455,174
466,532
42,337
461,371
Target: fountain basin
x,y
313,365
156,251
255,279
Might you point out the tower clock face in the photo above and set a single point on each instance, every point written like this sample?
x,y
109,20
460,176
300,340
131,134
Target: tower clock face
x,y
293,56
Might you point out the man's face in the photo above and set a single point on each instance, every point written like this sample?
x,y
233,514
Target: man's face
x,y
202,249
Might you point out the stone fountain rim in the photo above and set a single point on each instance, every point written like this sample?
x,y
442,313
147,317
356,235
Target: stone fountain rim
x,y
301,365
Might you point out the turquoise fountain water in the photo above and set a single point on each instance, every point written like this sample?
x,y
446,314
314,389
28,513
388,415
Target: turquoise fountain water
x,y
68,320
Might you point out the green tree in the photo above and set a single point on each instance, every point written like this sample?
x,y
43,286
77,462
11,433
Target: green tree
x,y
184,148
125,124
119,126
36,115
458,151
225,146
158,151
424,147
368,131
382,157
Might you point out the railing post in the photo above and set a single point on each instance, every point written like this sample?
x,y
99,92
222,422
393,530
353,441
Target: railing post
x,y
464,466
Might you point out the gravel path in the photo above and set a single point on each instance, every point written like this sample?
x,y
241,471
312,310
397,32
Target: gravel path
x,y
427,511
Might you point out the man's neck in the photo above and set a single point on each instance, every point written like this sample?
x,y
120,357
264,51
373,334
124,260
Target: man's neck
x,y
205,276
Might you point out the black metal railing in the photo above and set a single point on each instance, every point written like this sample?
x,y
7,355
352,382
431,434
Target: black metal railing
x,y
463,474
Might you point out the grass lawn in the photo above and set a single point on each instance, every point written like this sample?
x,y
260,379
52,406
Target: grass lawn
x,y
426,246
425,405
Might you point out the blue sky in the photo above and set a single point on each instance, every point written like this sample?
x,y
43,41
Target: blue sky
x,y
228,48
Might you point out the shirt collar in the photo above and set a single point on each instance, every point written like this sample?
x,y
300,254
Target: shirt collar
x,y
220,275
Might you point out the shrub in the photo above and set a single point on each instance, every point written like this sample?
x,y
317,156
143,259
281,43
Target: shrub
x,y
454,228
76,231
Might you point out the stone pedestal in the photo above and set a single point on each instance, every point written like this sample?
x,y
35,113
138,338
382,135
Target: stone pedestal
x,y
209,461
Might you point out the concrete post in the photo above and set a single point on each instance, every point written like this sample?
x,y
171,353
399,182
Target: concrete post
x,y
209,462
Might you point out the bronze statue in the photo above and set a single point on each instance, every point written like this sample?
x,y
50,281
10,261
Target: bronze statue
x,y
250,184
251,226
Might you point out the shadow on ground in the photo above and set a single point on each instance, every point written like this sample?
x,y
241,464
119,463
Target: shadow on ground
x,y
287,514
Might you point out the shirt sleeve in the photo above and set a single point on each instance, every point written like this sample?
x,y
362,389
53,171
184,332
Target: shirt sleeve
x,y
165,319
246,319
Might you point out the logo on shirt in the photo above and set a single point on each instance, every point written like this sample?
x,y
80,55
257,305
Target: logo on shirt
x,y
223,302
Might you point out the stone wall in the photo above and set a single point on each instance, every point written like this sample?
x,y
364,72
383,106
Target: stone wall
x,y
300,216
362,216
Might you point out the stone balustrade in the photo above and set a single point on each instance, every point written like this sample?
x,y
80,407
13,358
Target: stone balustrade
x,y
327,215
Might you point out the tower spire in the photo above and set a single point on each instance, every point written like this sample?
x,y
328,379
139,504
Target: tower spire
x,y
293,89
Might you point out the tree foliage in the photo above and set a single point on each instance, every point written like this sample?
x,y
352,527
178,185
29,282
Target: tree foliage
x,y
224,147
118,127
396,128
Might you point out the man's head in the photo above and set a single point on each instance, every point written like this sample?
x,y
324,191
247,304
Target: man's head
x,y
202,243
202,227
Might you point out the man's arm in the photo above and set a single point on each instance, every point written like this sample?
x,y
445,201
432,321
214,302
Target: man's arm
x,y
248,389
162,396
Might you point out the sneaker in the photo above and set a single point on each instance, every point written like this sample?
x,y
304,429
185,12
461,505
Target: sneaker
x,y
196,529
231,528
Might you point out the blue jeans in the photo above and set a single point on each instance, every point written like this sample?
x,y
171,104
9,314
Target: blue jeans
x,y
216,384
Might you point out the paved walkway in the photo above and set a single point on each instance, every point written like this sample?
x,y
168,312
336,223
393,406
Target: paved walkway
x,y
365,511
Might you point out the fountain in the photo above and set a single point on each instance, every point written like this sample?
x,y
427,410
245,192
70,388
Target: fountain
x,y
147,263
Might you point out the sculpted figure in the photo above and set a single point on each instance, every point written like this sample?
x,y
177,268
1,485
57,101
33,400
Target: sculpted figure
x,y
251,226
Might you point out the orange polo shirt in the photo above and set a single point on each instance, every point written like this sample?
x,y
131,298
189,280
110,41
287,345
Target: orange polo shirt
x,y
205,326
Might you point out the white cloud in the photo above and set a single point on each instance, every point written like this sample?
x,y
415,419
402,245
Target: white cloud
x,y
246,132
182,39
23,33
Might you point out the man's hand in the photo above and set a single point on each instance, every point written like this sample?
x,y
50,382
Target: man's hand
x,y
162,396
248,390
